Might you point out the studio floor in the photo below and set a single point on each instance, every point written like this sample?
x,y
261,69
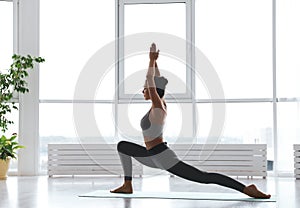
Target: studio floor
x,y
62,192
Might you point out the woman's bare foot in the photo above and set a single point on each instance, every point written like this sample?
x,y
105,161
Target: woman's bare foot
x,y
126,188
255,193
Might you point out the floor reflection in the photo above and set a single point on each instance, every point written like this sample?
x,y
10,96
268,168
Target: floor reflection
x,y
127,203
36,192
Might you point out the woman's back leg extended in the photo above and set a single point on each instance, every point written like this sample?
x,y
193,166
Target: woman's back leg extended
x,y
191,173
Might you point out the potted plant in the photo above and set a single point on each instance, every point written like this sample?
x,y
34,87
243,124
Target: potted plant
x,y
12,82
8,147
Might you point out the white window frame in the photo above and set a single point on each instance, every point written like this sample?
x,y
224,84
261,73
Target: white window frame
x,y
190,40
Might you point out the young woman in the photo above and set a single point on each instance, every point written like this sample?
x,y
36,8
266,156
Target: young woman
x,y
157,154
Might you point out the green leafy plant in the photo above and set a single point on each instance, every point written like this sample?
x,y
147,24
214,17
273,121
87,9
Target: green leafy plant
x,y
12,82
8,147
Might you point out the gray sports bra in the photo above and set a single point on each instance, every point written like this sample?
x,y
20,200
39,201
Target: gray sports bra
x,y
151,130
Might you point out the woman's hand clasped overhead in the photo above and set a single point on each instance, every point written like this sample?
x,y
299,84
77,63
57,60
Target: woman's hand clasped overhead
x,y
153,54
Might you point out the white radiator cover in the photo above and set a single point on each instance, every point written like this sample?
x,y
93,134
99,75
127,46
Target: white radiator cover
x,y
86,159
297,160
103,159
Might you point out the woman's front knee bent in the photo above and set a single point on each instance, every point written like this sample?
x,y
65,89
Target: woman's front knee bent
x,y
121,146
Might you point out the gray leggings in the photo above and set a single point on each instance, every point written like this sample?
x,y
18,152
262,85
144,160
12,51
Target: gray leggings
x,y
162,157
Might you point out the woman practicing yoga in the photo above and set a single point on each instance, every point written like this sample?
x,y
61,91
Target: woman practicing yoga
x,y
157,154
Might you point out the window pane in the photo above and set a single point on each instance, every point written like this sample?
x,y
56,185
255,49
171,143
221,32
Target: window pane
x,y
135,76
69,39
57,126
245,123
179,123
160,18
288,45
6,34
236,37
288,134
106,86
129,116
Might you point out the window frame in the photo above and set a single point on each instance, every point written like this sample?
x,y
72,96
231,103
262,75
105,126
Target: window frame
x,y
190,39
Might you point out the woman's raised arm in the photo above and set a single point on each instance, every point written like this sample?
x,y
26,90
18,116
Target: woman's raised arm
x,y
153,55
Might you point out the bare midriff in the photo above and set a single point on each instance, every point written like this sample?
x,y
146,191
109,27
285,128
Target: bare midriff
x,y
153,143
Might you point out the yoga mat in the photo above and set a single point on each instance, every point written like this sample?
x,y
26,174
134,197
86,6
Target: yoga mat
x,y
178,195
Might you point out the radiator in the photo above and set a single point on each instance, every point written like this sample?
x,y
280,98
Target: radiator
x,y
297,160
102,159
230,159
86,159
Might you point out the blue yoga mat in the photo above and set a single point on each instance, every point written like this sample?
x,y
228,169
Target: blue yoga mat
x,y
178,195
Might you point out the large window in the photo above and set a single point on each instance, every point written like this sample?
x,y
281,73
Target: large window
x,y
235,38
71,34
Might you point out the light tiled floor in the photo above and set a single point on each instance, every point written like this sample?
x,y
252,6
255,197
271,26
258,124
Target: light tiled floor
x,y
34,192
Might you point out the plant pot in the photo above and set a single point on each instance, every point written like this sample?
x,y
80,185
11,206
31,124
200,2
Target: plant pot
x,y
4,165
